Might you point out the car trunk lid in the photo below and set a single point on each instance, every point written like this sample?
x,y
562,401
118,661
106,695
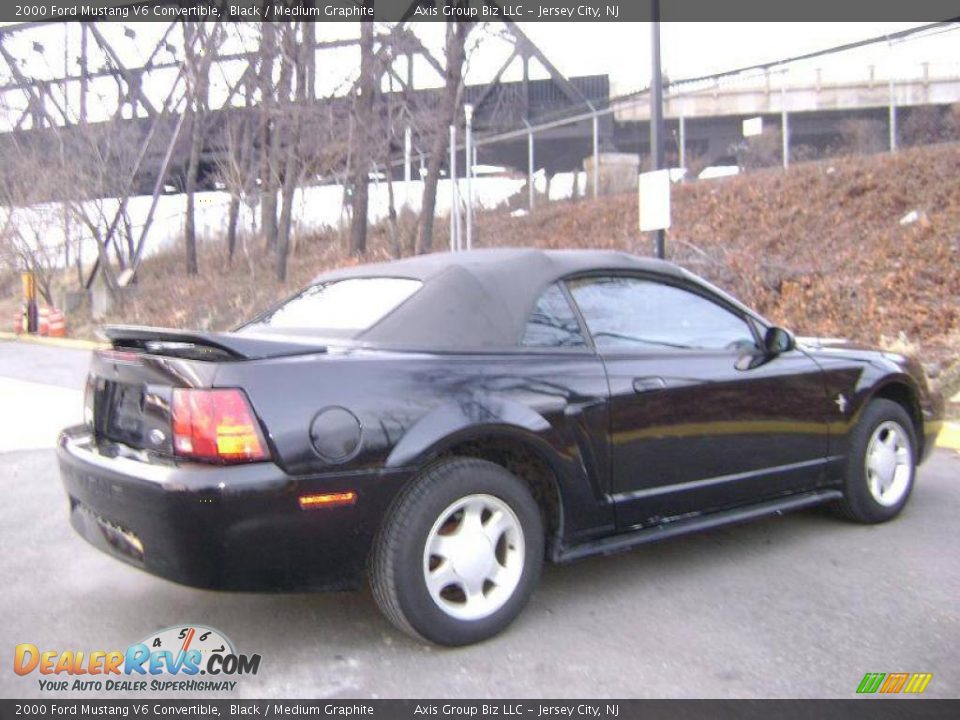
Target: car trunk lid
x,y
131,385
210,346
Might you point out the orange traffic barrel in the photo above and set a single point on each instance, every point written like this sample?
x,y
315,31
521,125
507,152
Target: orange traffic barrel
x,y
43,320
56,324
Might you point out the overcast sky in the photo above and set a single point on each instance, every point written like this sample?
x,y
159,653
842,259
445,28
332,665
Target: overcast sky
x,y
622,50
690,49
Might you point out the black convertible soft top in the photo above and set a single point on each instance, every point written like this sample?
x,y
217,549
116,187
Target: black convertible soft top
x,y
479,299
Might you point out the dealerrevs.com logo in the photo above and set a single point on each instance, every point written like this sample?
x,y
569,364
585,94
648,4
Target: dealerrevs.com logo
x,y
189,658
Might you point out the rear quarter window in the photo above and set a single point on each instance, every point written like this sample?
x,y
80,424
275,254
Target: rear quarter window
x,y
342,307
553,322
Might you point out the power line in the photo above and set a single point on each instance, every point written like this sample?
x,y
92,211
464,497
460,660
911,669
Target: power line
x,y
845,47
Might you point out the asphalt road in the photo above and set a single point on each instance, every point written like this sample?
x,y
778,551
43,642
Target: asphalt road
x,y
799,606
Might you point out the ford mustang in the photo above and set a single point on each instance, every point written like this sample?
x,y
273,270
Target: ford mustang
x,y
442,425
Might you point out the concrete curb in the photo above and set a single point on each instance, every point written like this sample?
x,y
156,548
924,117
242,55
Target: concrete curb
x,y
949,436
54,342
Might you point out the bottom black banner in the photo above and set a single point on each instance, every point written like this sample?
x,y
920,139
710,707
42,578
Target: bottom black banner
x,y
873,709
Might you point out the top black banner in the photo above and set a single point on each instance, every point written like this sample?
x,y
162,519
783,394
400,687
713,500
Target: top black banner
x,y
33,11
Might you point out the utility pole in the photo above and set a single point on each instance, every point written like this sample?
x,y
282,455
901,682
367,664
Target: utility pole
x,y
892,100
784,121
682,142
407,147
656,110
530,190
595,121
468,116
892,113
454,212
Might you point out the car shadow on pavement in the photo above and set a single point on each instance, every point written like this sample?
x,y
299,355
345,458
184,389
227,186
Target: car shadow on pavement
x,y
350,620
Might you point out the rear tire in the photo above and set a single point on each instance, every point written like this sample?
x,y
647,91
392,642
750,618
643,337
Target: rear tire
x,y
459,553
881,466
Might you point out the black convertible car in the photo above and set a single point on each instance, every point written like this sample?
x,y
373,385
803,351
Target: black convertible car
x,y
445,423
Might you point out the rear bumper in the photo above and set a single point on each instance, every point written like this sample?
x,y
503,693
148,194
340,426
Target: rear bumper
x,y
223,528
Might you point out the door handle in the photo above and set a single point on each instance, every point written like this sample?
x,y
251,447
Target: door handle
x,y
648,384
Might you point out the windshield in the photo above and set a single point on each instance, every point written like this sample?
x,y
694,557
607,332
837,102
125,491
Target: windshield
x,y
341,307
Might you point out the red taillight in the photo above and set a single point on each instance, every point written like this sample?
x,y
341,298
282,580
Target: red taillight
x,y
216,425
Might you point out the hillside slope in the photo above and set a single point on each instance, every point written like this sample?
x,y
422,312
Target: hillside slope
x,y
819,248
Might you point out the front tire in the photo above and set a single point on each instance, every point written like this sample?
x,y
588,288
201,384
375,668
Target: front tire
x,y
882,464
459,553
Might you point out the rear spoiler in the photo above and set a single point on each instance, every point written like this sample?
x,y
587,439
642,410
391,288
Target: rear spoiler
x,y
208,345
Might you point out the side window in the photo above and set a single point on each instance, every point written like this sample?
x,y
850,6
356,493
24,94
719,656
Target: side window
x,y
553,322
626,312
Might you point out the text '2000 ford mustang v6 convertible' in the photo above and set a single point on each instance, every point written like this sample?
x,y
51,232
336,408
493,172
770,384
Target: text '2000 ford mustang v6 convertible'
x,y
445,423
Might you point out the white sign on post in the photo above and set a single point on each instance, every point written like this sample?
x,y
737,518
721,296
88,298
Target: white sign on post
x,y
654,200
753,126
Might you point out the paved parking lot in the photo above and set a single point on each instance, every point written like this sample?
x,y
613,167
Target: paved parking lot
x,y
797,606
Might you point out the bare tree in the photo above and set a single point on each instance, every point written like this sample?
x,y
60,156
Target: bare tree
x,y
456,40
295,59
236,170
96,184
197,68
862,136
365,105
24,245
761,151
32,232
925,125
952,122
269,180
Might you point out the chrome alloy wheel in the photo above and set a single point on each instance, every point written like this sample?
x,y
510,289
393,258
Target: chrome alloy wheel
x,y
474,556
889,463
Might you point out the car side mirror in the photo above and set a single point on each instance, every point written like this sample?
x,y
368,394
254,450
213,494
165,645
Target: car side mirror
x,y
777,340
